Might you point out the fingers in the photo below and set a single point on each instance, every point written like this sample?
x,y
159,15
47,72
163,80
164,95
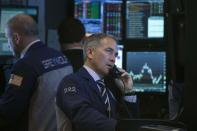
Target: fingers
x,y
127,79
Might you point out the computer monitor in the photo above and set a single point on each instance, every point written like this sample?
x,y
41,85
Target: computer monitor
x,y
119,58
148,70
112,18
144,19
100,16
89,12
5,14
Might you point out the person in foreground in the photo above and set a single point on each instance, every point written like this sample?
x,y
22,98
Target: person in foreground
x,y
83,96
71,32
29,102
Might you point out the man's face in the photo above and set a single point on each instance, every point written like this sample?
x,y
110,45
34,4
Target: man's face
x,y
103,56
12,42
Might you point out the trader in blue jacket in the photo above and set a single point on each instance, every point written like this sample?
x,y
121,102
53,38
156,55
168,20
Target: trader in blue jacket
x,y
29,102
80,96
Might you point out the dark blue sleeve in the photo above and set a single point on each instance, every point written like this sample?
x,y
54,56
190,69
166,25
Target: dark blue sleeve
x,y
74,102
14,102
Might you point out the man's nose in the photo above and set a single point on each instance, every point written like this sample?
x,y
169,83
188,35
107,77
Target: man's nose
x,y
113,58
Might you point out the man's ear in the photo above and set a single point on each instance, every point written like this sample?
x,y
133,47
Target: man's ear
x,y
16,37
90,52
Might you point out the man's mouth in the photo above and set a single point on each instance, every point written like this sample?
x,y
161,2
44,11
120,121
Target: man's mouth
x,y
110,66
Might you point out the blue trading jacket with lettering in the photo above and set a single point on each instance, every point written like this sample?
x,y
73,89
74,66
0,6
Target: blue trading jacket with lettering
x,y
28,103
79,98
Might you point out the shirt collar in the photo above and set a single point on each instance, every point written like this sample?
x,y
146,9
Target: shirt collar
x,y
94,75
27,47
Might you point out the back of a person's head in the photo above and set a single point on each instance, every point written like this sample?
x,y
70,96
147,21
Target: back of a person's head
x,y
23,24
70,31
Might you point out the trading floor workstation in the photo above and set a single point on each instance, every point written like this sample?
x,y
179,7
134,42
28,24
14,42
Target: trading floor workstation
x,y
152,37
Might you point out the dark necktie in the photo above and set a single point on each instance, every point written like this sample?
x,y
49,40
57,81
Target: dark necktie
x,y
104,95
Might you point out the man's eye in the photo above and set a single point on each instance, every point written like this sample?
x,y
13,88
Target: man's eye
x,y
109,50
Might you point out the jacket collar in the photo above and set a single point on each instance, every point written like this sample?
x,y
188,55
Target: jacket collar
x,y
27,47
37,44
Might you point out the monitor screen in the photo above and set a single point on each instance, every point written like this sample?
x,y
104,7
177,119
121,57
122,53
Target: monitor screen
x,y
112,16
100,16
144,19
5,14
148,70
89,12
119,58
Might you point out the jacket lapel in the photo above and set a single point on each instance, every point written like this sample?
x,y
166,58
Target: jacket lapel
x,y
91,83
88,78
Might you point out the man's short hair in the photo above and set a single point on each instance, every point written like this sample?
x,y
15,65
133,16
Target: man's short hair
x,y
23,24
71,30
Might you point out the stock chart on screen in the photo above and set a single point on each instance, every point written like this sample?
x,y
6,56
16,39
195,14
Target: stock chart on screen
x,y
148,70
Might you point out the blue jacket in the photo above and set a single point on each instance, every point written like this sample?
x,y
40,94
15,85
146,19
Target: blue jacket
x,y
79,98
28,103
